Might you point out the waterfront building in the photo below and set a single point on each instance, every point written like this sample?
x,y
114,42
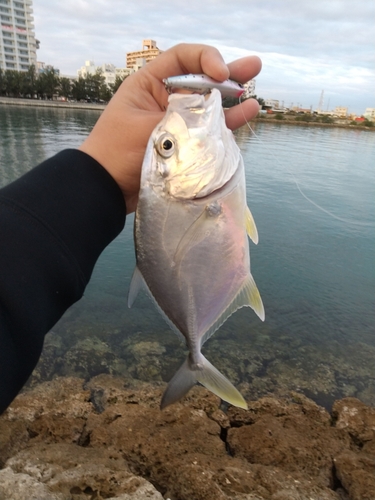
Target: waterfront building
x,y
271,103
17,38
123,72
107,70
369,114
340,111
148,53
42,67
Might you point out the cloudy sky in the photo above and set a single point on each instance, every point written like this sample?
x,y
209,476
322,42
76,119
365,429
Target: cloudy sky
x,y
306,47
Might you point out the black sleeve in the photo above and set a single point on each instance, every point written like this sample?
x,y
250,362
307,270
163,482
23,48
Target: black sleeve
x,y
54,223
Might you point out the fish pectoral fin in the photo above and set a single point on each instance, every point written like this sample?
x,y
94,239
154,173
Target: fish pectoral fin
x,y
136,284
251,228
197,232
214,381
185,378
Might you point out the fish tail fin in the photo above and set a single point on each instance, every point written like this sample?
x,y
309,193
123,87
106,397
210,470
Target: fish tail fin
x,y
180,384
215,382
207,375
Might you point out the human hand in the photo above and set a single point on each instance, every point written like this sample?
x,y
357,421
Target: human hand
x,y
119,139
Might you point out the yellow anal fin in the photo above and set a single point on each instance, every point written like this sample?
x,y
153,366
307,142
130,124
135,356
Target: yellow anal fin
x,y
251,228
251,296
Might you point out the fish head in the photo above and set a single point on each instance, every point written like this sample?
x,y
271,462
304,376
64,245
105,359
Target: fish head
x,y
191,153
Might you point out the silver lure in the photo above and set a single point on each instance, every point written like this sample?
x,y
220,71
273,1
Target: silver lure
x,y
202,84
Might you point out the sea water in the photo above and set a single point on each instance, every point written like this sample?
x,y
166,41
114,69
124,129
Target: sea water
x,y
314,267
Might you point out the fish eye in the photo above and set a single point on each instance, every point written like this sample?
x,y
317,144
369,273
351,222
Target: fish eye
x,y
165,146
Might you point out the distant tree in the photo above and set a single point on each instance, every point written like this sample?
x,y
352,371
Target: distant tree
x,y
14,82
65,87
326,119
279,116
115,86
30,81
48,83
228,102
260,100
105,93
304,118
94,85
368,123
78,89
2,82
92,88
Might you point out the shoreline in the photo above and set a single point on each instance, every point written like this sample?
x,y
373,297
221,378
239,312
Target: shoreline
x,y
312,124
15,101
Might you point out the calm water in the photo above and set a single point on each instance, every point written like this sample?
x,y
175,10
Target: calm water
x,y
315,271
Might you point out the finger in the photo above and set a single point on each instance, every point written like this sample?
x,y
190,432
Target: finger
x,y
238,115
244,69
189,58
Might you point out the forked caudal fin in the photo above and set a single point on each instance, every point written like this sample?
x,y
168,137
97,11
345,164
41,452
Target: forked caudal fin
x,y
186,377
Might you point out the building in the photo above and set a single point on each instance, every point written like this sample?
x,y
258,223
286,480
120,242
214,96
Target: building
x,y
340,111
17,38
250,88
123,72
139,63
42,67
271,103
148,53
369,114
107,70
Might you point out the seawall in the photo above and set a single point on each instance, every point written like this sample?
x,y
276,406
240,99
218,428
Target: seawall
x,y
13,101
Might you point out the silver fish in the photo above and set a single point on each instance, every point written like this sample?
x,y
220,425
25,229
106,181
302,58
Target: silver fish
x,y
191,228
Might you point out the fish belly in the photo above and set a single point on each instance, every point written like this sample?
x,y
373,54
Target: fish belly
x,y
194,255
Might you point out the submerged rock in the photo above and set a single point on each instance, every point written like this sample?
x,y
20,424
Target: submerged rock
x,y
107,438
255,359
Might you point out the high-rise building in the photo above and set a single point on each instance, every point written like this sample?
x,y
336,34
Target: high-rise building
x,y
17,38
140,57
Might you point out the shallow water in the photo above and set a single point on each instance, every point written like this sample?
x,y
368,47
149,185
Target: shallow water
x,y
315,272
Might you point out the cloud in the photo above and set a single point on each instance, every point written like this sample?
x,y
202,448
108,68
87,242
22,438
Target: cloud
x,y
305,46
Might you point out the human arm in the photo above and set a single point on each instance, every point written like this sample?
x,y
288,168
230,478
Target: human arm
x,y
54,223
56,220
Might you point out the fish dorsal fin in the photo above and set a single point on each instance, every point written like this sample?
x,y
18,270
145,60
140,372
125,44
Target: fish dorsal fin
x,y
248,296
251,228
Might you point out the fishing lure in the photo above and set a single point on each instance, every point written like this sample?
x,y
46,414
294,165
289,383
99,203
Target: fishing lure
x,y
203,84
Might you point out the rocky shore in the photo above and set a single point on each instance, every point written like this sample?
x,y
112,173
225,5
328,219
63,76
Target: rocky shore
x,y
68,439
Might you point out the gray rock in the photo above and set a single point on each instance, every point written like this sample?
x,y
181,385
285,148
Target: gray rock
x,y
18,486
